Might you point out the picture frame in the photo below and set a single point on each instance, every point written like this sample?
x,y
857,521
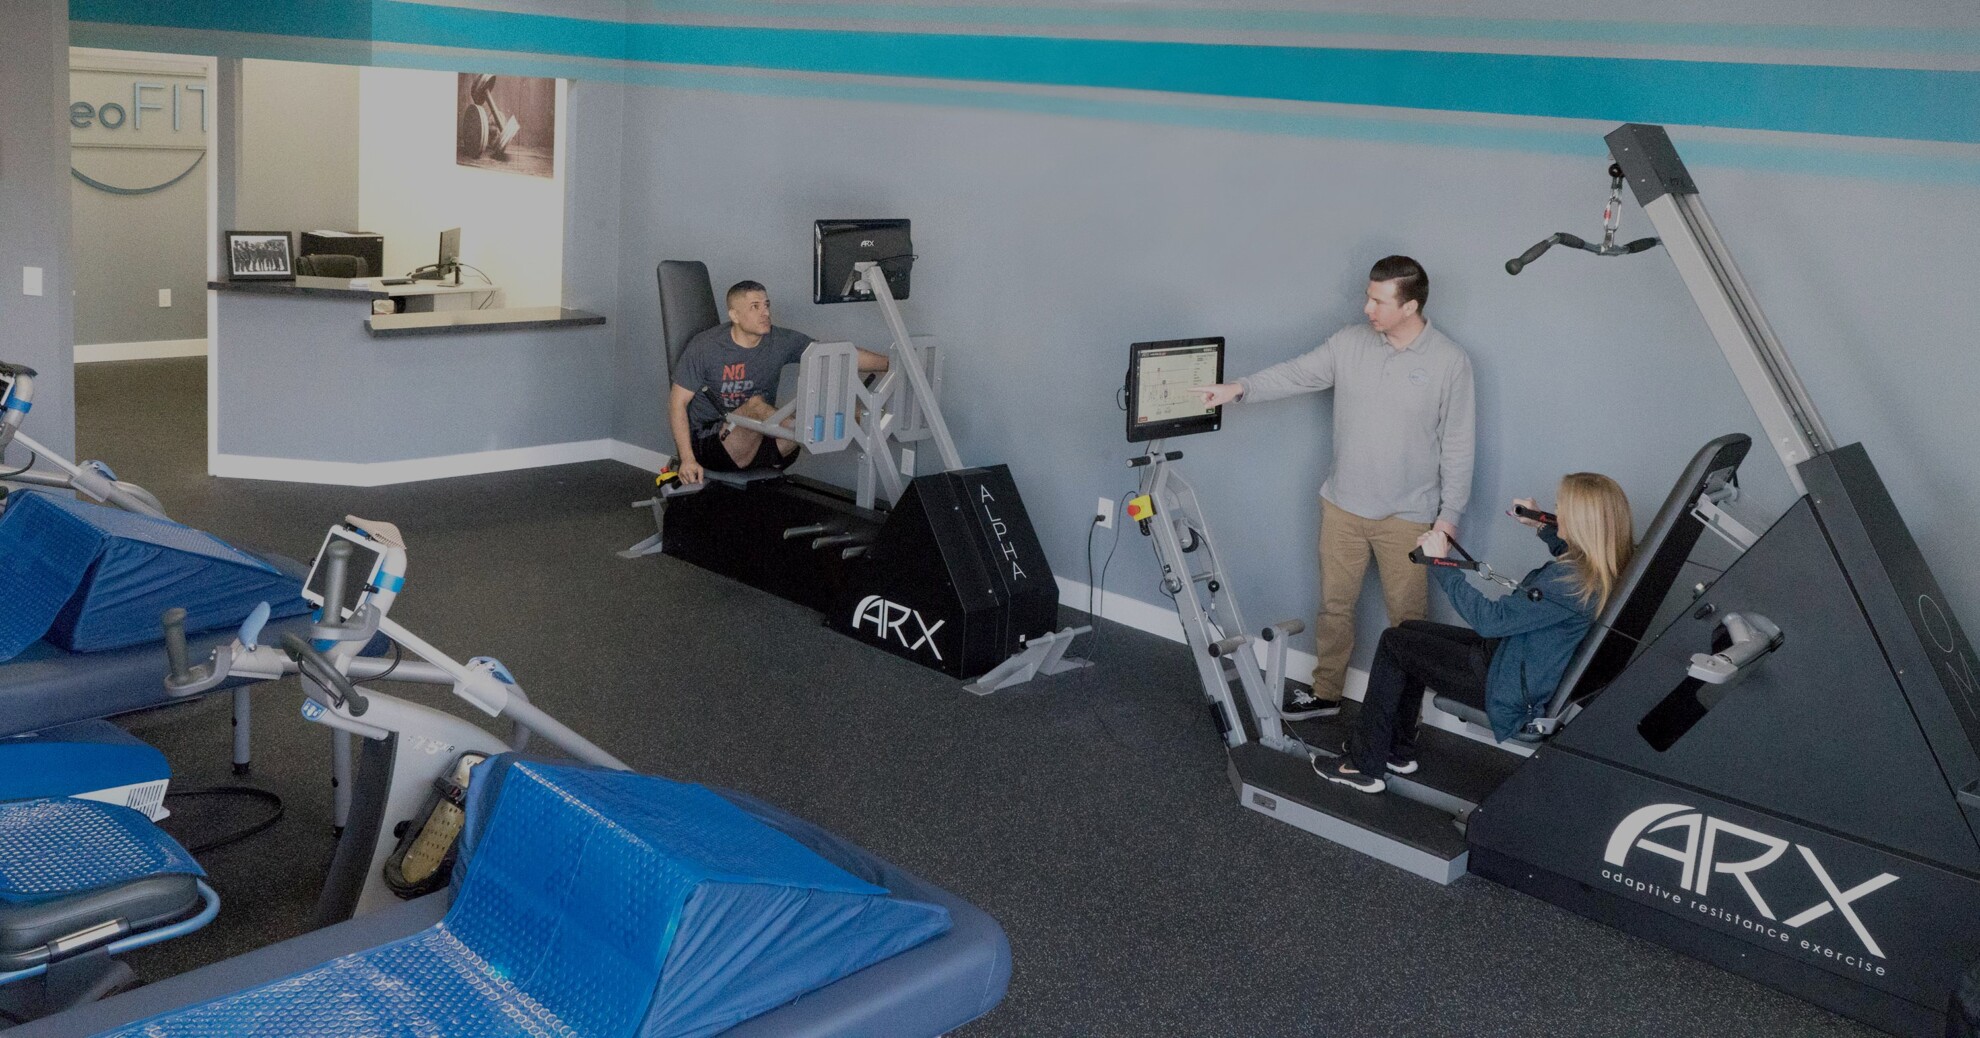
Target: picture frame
x,y
259,256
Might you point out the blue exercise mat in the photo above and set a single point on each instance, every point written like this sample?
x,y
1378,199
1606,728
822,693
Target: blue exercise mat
x,y
90,578
601,904
53,848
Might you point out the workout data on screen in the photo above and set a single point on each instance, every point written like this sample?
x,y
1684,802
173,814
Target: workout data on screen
x,y
1165,378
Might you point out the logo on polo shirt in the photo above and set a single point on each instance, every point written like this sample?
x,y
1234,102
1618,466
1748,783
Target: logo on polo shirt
x,y
1419,377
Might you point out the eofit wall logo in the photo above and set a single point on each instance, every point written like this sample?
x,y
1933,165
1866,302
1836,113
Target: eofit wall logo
x,y
1708,851
891,620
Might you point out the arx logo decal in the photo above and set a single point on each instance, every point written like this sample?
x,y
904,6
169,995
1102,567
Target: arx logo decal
x,y
1707,848
891,619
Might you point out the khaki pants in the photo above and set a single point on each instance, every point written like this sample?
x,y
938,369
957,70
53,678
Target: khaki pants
x,y
1346,541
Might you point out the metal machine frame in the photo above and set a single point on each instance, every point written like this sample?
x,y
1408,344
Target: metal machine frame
x,y
408,748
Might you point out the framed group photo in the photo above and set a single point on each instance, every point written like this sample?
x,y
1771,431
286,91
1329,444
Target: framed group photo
x,y
259,256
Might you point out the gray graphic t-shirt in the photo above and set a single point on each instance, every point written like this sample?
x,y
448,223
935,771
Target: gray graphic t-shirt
x,y
733,374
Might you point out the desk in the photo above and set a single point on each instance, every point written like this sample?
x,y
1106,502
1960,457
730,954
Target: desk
x,y
306,385
415,298
425,297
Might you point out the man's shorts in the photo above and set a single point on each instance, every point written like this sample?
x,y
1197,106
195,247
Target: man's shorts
x,y
714,457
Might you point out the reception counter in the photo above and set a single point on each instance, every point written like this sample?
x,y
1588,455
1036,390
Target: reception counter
x,y
307,385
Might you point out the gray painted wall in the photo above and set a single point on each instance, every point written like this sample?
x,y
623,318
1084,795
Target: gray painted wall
x,y
298,164
129,247
1048,243
34,209
296,170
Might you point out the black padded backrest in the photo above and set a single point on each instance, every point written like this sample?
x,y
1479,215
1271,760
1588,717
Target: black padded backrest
x,y
332,265
687,305
1659,558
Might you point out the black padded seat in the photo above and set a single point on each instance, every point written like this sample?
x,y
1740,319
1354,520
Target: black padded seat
x,y
687,305
1624,624
27,930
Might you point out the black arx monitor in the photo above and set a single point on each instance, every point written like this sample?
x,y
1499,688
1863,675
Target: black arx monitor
x,y
839,244
1159,378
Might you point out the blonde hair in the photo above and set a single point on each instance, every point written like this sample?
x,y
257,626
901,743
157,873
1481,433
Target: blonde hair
x,y
1596,524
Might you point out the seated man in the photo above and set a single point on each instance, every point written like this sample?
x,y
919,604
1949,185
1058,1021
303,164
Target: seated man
x,y
734,367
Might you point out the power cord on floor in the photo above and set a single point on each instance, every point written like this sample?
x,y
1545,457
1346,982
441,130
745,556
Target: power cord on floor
x,y
1096,590
263,795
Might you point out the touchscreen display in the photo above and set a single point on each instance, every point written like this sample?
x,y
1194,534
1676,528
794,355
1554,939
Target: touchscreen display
x,y
357,579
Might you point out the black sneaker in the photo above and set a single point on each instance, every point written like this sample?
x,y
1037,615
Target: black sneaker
x,y
1344,773
1397,765
1301,704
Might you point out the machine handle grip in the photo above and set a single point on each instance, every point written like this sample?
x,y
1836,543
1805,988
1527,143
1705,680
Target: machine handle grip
x,y
1282,629
321,671
1537,515
1416,555
174,621
1149,459
336,570
1226,646
1518,263
1640,245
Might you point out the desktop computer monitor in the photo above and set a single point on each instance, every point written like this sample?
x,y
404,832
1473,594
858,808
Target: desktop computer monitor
x,y
1159,377
839,244
450,251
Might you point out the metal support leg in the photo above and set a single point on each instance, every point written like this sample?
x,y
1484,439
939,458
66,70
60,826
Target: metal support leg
x,y
654,544
1045,654
243,723
340,778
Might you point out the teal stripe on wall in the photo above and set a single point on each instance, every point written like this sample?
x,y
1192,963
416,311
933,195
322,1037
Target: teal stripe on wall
x,y
1234,19
1864,102
324,19
1909,104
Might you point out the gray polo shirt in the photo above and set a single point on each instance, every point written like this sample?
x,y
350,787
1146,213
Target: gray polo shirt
x,y
1403,421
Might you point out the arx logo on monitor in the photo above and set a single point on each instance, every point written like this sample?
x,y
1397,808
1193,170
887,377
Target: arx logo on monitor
x,y
892,619
1707,848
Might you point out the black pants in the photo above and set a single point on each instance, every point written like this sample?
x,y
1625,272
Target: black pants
x,y
1409,657
714,456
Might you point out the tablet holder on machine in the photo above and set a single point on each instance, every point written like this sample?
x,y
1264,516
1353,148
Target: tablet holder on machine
x,y
943,569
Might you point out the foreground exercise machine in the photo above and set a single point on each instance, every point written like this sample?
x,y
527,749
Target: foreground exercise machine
x,y
1812,822
943,569
584,892
408,750
1774,768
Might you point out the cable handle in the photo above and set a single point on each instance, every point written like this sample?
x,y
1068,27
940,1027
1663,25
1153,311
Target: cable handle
x,y
1149,459
320,670
1464,561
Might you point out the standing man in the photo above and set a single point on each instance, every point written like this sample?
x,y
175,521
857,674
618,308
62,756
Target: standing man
x,y
1403,439
735,367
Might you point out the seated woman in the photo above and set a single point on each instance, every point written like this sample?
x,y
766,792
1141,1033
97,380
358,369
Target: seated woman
x,y
1509,663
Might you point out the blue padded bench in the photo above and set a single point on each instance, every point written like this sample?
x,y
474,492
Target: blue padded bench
x,y
677,945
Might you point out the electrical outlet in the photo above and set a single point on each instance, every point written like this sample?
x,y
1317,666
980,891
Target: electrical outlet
x,y
164,297
1103,513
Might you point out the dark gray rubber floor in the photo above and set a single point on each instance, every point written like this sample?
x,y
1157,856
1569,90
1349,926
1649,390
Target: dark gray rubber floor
x,y
1088,813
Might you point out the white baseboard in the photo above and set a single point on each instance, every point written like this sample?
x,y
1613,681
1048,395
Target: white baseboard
x,y
157,349
1162,621
639,457
412,470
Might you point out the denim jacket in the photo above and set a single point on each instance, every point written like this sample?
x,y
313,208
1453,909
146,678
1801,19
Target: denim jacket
x,y
1536,638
